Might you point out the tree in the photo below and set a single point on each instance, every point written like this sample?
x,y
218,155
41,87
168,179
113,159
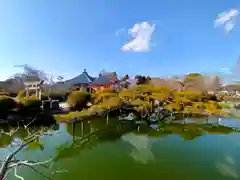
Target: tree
x,y
31,71
78,100
11,161
60,79
212,83
194,82
126,77
142,79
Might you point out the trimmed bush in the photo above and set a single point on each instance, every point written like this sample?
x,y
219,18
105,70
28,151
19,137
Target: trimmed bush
x,y
6,104
45,96
31,105
78,100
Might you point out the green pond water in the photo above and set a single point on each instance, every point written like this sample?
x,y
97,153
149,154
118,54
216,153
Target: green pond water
x,y
190,150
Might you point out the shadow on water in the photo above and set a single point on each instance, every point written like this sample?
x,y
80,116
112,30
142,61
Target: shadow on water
x,y
88,134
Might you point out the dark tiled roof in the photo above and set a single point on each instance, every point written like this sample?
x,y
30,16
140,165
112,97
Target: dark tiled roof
x,y
104,78
83,78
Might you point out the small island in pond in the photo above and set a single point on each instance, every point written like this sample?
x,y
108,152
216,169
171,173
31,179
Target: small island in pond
x,y
140,98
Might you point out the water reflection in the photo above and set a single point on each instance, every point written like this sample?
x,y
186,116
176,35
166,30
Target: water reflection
x,y
7,138
88,134
187,131
227,167
141,151
97,146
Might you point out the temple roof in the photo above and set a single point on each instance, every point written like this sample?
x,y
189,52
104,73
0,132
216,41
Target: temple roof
x,y
83,78
104,78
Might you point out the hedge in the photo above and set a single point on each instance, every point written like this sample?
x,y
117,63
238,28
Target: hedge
x,y
78,100
30,106
6,104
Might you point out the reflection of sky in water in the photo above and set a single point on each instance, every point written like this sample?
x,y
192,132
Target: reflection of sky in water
x,y
50,144
141,151
230,122
214,120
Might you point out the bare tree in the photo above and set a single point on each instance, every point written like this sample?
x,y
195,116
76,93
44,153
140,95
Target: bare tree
x,y
11,161
60,79
142,79
31,71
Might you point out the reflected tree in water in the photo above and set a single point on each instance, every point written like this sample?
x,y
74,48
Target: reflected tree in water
x,y
188,131
89,139
95,132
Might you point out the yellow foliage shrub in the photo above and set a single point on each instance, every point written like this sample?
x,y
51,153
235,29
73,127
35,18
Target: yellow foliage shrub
x,y
78,100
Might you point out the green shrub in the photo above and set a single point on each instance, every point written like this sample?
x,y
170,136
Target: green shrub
x,y
44,96
78,100
31,105
7,103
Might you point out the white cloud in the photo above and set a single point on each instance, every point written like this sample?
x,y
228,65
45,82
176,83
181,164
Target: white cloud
x,y
141,37
227,20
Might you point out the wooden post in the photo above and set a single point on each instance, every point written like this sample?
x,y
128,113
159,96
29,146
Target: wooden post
x,y
27,92
73,128
36,92
82,128
107,119
40,94
91,129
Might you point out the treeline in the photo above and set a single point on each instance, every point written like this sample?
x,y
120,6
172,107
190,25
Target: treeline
x,y
192,81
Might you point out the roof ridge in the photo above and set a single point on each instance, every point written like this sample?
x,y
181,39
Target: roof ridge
x,y
87,76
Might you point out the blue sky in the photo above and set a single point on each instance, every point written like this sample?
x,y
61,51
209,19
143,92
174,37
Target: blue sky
x,y
64,37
